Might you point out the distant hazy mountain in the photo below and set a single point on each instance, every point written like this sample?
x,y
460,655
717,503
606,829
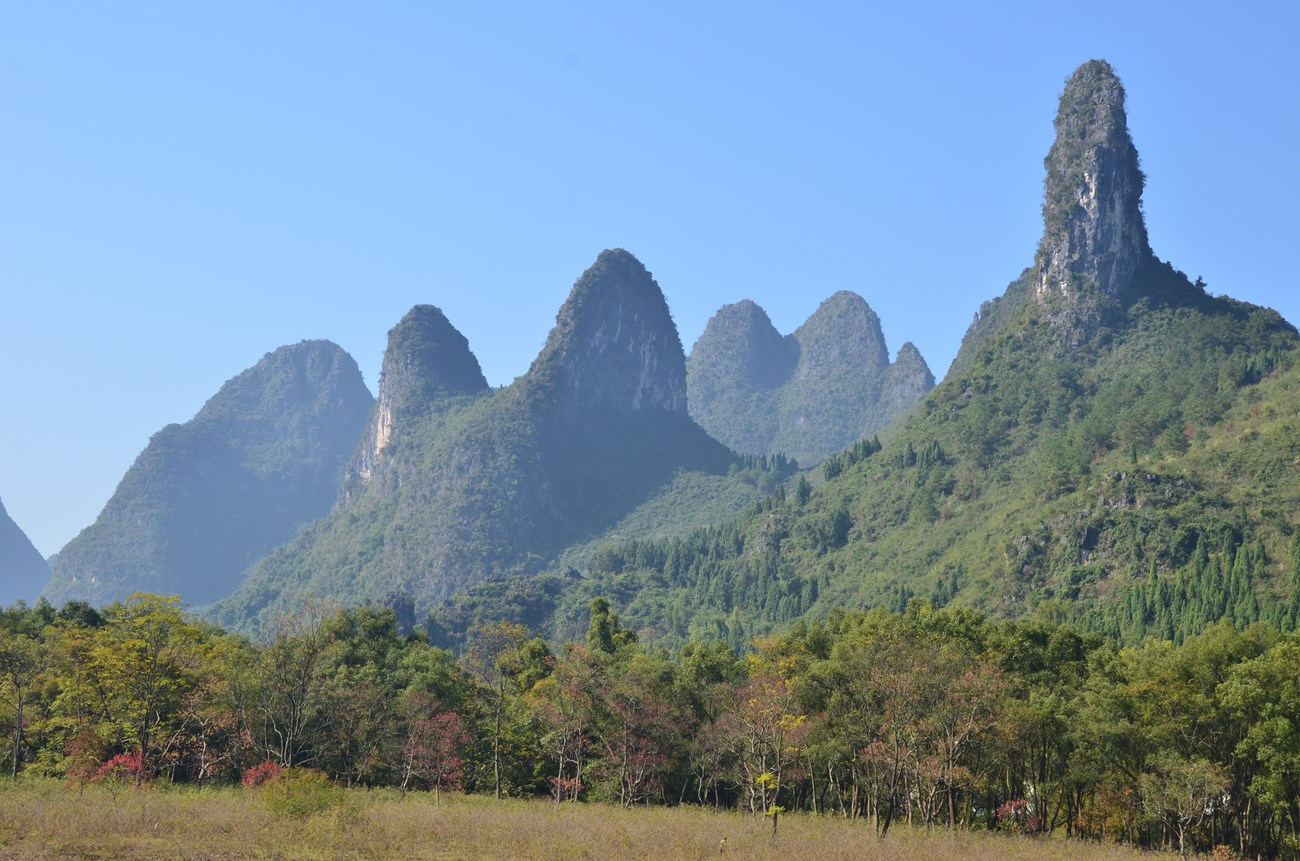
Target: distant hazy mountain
x,y
205,499
455,484
23,572
807,395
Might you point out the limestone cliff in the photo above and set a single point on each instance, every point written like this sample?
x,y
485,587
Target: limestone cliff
x,y
614,345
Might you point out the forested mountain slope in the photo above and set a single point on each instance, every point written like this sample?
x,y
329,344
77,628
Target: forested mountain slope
x,y
1113,443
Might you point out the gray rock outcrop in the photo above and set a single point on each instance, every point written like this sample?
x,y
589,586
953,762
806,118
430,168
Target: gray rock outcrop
x,y
1094,236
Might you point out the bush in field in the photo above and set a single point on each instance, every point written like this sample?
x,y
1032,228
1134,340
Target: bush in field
x,y
84,753
301,792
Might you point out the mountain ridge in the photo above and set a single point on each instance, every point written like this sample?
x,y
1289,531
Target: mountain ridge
x,y
504,481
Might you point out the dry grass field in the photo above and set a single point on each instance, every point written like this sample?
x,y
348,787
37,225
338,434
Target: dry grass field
x,y
45,820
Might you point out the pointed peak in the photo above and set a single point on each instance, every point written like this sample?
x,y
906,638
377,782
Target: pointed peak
x,y
614,343
908,352
1094,236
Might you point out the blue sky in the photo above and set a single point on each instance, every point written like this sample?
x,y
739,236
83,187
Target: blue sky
x,y
187,186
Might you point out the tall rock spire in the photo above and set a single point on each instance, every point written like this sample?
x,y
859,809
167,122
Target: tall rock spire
x,y
1094,237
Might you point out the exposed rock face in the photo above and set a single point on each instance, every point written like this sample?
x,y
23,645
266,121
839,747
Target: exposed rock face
x,y
204,500
806,395
427,363
1094,237
22,570
614,345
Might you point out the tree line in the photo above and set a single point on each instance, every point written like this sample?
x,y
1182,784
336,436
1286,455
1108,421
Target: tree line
x,y
940,718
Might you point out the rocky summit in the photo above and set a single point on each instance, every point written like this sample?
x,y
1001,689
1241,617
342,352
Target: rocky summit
x,y
614,345
806,395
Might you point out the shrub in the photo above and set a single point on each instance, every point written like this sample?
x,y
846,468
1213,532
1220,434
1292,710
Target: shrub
x,y
123,768
301,792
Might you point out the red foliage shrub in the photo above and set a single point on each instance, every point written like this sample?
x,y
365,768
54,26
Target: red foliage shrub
x,y
122,768
261,773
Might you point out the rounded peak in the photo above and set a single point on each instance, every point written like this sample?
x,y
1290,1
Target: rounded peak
x,y
427,358
844,297
614,268
1092,106
618,257
423,315
746,313
844,324
847,313
314,371
739,344
1093,70
316,354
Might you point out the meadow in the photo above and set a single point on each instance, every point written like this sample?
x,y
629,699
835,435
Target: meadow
x,y
42,819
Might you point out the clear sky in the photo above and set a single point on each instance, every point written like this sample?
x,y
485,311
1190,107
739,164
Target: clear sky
x,y
187,186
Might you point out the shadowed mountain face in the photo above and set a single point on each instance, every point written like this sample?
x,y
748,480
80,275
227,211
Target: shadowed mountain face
x,y
206,499
468,484
807,395
23,572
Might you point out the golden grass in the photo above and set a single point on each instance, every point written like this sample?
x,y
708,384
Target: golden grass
x,y
43,820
